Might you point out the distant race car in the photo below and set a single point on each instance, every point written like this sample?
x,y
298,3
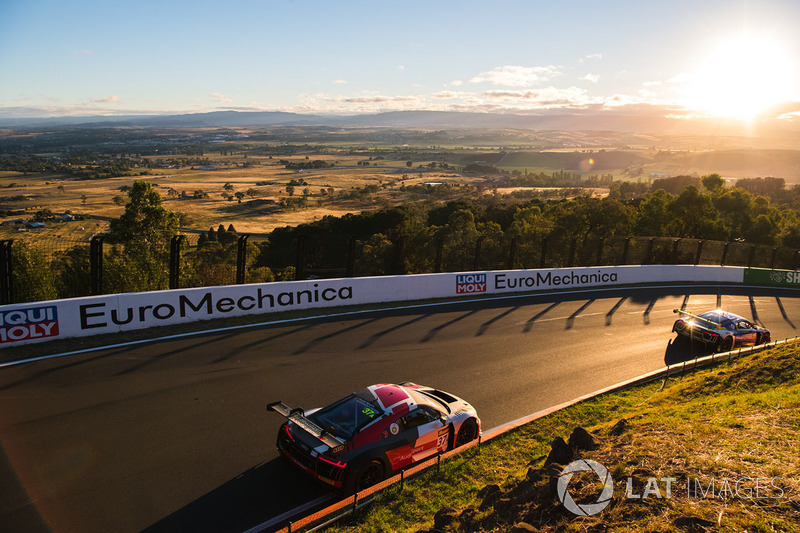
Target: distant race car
x,y
720,330
361,439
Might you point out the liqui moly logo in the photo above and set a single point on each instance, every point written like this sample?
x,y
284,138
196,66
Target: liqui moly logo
x,y
470,283
24,324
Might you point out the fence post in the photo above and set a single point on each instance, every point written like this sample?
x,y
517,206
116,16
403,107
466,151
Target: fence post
x,y
437,262
512,252
625,250
241,259
6,278
773,258
175,261
751,256
545,242
675,251
96,264
699,252
600,246
478,244
399,259
648,258
298,265
351,257
572,245
724,254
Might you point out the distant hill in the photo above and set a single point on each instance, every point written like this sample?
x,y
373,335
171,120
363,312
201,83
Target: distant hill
x,y
213,119
640,121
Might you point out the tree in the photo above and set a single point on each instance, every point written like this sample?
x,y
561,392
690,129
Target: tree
x,y
145,221
142,234
653,215
228,187
226,236
695,217
34,279
713,183
239,195
675,184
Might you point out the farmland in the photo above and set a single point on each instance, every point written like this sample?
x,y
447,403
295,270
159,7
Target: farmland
x,y
261,179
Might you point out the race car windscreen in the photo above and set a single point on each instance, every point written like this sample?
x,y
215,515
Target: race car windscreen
x,y
715,318
346,417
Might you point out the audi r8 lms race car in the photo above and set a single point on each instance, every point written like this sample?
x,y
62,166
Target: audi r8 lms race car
x,y
720,330
361,439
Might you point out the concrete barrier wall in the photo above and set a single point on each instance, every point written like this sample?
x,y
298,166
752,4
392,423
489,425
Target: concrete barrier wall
x,y
59,319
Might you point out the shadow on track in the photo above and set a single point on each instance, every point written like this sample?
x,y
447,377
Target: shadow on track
x,y
17,511
251,498
681,349
783,312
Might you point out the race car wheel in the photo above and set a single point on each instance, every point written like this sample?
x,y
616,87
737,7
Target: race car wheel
x,y
725,345
368,476
467,432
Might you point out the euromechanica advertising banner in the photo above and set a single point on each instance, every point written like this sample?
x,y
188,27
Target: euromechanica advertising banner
x,y
41,321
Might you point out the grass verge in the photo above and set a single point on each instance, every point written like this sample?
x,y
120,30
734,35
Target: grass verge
x,y
729,436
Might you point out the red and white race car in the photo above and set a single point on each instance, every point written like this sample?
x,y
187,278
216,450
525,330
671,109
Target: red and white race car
x,y
359,440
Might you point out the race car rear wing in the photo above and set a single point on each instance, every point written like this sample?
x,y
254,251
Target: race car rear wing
x,y
298,417
682,312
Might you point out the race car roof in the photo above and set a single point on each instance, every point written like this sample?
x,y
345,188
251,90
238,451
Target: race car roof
x,y
394,399
388,396
718,315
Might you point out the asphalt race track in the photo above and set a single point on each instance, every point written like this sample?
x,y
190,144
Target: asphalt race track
x,y
174,435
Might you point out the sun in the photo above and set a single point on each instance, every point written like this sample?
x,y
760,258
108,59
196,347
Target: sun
x,y
742,77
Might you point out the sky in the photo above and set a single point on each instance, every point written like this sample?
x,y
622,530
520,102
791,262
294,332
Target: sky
x,y
732,58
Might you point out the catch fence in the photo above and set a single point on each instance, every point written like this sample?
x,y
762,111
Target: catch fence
x,y
40,269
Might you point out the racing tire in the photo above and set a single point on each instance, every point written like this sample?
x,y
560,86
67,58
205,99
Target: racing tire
x,y
725,345
368,475
466,433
